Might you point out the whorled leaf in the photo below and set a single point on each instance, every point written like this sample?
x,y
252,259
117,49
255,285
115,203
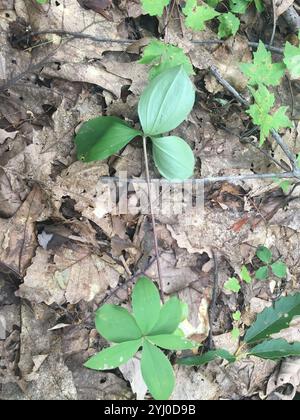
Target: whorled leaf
x,y
145,304
116,324
102,137
171,342
157,372
169,317
114,356
173,158
166,102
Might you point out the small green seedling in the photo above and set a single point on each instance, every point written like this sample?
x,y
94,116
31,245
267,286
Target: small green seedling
x,y
232,285
257,341
278,268
163,106
292,59
149,327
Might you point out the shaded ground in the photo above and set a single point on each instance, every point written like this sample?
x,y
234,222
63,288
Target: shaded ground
x,y
62,254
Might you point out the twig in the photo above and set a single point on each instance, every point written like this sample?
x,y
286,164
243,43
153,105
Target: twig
x,y
212,311
159,271
243,101
274,23
209,180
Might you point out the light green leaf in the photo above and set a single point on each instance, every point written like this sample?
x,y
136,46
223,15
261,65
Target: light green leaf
x,y
279,268
233,285
166,102
284,185
173,158
262,273
145,304
259,5
155,7
102,137
157,372
114,356
239,6
116,324
229,25
262,70
213,3
275,349
169,317
236,316
292,59
196,15
206,358
264,254
163,57
245,275
235,333
273,320
172,342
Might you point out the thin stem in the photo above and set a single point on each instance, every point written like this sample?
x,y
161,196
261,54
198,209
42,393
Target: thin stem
x,y
159,271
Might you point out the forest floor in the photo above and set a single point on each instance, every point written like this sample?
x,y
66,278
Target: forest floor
x,y
62,254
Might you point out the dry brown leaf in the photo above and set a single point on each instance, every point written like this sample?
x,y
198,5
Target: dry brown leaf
x,y
71,275
18,234
191,385
282,6
285,380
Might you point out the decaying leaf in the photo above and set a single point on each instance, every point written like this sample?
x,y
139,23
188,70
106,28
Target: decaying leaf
x,y
71,275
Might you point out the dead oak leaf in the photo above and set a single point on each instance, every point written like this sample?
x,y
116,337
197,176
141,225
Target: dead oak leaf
x,y
18,240
72,275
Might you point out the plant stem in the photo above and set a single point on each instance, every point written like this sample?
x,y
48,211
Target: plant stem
x,y
159,271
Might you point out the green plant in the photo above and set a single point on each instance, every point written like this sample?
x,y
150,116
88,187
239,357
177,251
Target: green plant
x,y
257,341
164,105
162,56
292,59
42,1
278,268
148,327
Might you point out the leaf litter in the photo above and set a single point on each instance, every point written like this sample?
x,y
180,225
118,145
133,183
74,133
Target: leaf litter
x,y
65,250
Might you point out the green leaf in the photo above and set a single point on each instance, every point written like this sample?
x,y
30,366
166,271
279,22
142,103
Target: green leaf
x,y
173,158
213,3
245,275
116,324
163,57
235,333
262,273
145,304
237,316
264,101
155,7
166,102
292,59
169,317
229,25
206,358
233,285
259,5
196,15
284,185
114,356
275,349
239,6
102,137
264,254
273,320
279,268
172,342
157,372
262,70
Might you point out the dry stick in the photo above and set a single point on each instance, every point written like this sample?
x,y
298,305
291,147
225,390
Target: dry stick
x,y
243,101
211,179
212,311
159,271
274,23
